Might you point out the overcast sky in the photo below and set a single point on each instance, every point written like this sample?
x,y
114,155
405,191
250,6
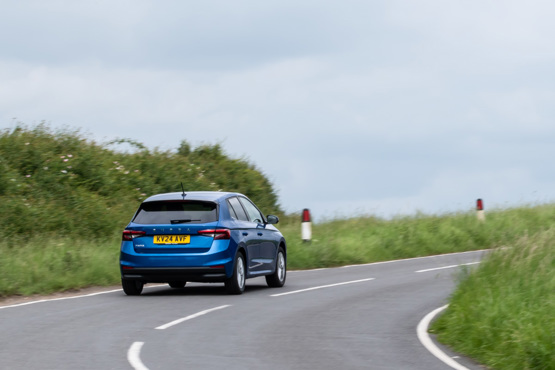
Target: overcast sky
x,y
349,107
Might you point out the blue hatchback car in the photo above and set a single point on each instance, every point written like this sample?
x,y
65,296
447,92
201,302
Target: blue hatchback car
x,y
202,237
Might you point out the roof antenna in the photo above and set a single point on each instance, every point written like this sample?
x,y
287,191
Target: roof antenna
x,y
183,195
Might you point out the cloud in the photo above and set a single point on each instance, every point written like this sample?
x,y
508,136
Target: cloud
x,y
372,105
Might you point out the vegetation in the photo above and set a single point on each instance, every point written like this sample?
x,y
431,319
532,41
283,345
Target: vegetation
x,y
368,239
503,313
59,184
64,201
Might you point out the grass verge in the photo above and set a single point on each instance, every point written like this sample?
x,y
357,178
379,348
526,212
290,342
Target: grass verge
x,y
36,264
503,313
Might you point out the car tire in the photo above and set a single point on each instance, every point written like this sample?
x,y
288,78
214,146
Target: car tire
x,y
277,279
132,287
177,284
236,283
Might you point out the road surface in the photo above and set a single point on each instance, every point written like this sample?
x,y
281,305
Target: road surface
x,y
354,317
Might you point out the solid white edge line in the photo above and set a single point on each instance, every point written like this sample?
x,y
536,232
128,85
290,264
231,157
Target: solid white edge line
x,y
60,299
133,356
179,321
72,297
424,337
449,267
321,287
391,261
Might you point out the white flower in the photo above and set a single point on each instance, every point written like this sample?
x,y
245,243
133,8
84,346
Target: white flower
x,y
64,171
45,168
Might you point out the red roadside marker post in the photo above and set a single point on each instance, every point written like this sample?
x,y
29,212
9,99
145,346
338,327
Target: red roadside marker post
x,y
306,226
480,215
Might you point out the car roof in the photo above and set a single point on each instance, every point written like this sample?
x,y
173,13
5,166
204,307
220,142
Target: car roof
x,y
213,196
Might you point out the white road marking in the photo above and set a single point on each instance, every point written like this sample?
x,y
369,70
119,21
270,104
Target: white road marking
x,y
73,297
133,356
424,337
179,321
409,259
321,287
448,267
59,299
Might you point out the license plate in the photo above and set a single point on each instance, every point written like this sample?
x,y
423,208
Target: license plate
x,y
172,239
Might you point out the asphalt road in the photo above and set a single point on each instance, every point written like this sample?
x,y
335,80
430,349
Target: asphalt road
x,y
356,317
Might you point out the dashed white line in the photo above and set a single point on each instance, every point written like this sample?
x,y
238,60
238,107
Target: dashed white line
x,y
133,356
422,332
321,287
448,267
179,321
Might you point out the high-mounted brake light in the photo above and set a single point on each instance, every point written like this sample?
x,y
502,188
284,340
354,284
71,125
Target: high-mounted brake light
x,y
216,233
129,235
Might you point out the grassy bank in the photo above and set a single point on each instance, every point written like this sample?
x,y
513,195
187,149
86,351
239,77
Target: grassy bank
x,y
43,264
503,314
363,240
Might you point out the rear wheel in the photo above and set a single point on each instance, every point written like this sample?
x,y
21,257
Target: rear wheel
x,y
177,284
277,279
132,287
236,283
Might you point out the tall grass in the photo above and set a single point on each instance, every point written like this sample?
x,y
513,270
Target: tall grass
x,y
47,265
362,240
503,314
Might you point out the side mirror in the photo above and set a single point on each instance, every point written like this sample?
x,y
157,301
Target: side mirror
x,y
272,219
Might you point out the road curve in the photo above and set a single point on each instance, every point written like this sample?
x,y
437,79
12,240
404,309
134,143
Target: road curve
x,y
355,317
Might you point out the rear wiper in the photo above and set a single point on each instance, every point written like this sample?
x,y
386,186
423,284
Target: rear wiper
x,y
184,221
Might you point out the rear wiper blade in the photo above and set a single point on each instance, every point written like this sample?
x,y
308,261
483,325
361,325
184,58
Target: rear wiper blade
x,y
184,221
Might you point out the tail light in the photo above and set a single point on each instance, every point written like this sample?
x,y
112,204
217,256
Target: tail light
x,y
129,235
216,233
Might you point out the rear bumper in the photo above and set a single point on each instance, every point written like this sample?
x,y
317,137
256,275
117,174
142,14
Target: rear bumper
x,y
167,274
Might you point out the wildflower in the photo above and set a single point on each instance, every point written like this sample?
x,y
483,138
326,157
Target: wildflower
x,y
136,171
27,175
69,167
45,168
69,155
63,171
126,173
27,143
62,156
65,160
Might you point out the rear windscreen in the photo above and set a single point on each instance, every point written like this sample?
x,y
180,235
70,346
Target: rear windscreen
x,y
176,212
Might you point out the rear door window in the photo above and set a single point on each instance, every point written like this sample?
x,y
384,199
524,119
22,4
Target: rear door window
x,y
238,209
176,212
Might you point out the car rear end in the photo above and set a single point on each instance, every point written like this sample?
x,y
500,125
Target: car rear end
x,y
177,238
